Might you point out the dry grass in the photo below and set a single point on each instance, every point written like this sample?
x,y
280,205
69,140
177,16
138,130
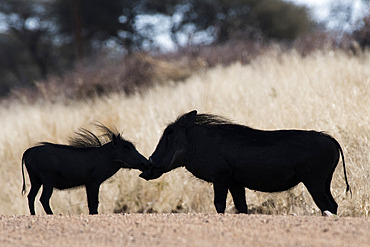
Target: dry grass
x,y
324,91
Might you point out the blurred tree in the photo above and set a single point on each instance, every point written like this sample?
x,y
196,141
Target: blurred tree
x,y
281,20
344,19
29,34
273,18
89,23
362,34
40,35
13,60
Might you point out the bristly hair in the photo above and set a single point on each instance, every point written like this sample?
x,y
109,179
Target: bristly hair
x,y
210,120
85,139
109,133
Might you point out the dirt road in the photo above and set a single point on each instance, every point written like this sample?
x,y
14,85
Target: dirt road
x,y
183,230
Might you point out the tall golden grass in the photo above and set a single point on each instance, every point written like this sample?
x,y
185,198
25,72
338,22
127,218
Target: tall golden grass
x,y
325,91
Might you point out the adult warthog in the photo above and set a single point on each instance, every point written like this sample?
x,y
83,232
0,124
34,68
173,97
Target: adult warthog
x,y
233,157
86,162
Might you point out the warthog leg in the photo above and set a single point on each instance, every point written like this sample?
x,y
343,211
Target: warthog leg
x,y
47,190
35,186
330,196
220,193
238,194
322,197
92,191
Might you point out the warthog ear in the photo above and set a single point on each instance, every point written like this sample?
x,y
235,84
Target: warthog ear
x,y
116,139
188,119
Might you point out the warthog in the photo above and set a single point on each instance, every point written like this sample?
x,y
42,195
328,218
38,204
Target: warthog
x,y
86,162
233,157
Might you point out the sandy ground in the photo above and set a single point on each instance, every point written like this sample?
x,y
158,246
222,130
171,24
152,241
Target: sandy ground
x,y
183,230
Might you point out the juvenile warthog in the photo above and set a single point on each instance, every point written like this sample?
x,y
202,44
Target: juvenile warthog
x,y
233,157
86,162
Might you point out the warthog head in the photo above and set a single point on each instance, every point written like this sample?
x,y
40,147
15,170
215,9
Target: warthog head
x,y
172,147
125,153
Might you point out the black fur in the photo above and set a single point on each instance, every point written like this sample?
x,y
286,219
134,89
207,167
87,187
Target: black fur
x,y
233,157
86,162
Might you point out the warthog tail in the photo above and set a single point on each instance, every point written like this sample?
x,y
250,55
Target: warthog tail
x,y
344,166
24,182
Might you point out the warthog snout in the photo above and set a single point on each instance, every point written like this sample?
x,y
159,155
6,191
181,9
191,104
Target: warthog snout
x,y
151,163
152,171
147,174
